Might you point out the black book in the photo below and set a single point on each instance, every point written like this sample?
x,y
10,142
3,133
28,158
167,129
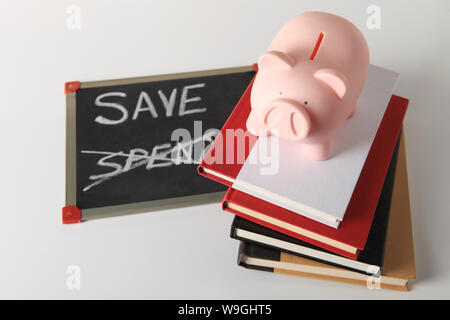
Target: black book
x,y
369,260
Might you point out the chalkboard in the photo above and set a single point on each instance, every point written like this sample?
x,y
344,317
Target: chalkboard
x,y
140,140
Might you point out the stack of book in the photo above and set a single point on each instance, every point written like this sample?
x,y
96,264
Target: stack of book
x,y
345,219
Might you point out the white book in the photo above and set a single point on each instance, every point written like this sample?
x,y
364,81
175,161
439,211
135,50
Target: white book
x,y
320,190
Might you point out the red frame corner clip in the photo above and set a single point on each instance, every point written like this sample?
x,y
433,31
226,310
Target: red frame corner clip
x,y
71,214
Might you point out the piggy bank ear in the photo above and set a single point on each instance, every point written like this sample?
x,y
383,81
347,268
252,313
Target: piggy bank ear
x,y
275,60
334,79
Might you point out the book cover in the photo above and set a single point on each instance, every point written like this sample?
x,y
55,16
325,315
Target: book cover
x,y
369,260
398,267
319,190
327,186
352,233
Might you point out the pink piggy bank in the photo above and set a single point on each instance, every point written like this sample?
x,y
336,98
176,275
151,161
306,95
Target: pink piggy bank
x,y
309,82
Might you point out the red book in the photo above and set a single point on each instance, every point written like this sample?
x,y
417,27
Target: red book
x,y
223,172
352,233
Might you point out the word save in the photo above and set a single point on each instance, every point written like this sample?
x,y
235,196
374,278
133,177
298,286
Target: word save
x,y
146,104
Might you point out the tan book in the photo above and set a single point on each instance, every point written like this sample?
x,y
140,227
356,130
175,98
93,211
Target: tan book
x,y
398,267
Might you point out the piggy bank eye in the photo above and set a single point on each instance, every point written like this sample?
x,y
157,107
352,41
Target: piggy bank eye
x,y
306,102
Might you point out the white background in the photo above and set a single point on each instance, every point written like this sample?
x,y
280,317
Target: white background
x,y
187,253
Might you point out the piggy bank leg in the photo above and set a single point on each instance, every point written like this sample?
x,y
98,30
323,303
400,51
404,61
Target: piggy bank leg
x,y
319,151
352,113
254,127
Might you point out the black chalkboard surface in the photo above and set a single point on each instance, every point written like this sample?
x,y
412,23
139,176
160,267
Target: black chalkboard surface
x,y
134,144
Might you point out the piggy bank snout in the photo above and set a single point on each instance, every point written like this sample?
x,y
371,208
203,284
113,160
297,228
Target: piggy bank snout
x,y
287,118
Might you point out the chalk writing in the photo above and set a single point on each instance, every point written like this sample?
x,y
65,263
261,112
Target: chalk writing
x,y
162,155
145,104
